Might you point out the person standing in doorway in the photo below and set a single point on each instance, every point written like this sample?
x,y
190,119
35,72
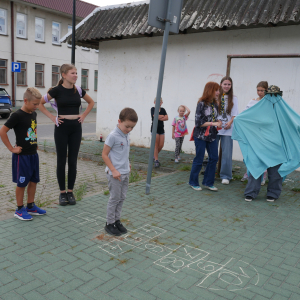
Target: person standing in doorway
x,y
68,130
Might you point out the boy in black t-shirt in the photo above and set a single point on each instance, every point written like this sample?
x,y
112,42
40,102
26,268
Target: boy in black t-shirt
x,y
25,160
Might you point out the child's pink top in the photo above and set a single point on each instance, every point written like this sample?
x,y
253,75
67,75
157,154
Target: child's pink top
x,y
180,126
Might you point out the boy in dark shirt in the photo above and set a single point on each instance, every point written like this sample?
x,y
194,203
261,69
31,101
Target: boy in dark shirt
x,y
25,160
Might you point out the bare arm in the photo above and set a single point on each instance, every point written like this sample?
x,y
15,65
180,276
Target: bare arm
x,y
188,111
91,104
163,118
173,132
115,173
3,134
46,112
206,124
228,125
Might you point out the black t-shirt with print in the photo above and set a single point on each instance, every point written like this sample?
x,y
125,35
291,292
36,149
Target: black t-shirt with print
x,y
24,124
160,125
68,100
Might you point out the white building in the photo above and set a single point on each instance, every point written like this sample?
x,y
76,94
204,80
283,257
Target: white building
x,y
130,51
33,38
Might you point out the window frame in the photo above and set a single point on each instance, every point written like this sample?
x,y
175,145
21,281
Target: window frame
x,y
69,30
25,27
24,62
2,83
35,33
95,81
59,31
56,73
85,76
43,75
5,21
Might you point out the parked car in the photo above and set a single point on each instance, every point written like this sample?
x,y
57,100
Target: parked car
x,y
5,104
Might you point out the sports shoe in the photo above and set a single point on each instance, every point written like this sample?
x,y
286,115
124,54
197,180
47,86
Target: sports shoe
x,y
22,214
112,229
244,178
35,211
271,199
212,188
120,226
225,181
156,164
248,198
263,182
71,198
63,199
196,187
176,160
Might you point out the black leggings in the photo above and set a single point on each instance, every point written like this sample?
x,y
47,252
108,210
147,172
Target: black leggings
x,y
67,136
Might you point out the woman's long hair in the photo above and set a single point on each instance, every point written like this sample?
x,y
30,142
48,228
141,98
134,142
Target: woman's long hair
x,y
209,93
229,94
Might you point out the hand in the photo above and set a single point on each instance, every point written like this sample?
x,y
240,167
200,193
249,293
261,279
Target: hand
x,y
173,136
116,175
227,126
16,149
81,119
219,123
60,120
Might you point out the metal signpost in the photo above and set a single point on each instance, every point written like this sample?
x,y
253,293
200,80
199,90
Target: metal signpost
x,y
15,68
163,14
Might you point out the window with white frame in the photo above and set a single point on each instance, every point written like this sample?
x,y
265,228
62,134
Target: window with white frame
x,y
39,29
84,78
69,30
55,75
39,75
55,33
3,21
96,80
22,76
21,25
3,71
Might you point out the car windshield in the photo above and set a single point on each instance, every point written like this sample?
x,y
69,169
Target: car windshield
x,y
3,93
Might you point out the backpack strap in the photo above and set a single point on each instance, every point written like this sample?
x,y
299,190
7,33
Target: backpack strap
x,y
79,89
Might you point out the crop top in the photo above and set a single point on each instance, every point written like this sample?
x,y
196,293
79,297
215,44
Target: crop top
x,y
68,102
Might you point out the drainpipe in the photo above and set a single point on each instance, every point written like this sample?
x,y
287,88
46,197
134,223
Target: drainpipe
x,y
12,52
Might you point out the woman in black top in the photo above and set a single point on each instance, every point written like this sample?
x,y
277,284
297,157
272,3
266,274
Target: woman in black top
x,y
68,132
205,134
160,133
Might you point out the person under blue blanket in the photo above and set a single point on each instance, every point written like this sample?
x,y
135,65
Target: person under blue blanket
x,y
269,137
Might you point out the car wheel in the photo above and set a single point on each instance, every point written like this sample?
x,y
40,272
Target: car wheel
x,y
5,116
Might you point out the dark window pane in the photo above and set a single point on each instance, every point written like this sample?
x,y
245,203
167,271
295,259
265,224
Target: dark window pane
x,y
2,76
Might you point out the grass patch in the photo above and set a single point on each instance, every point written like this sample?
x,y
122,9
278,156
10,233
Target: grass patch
x,y
106,192
185,168
2,185
297,190
80,192
237,177
179,182
134,176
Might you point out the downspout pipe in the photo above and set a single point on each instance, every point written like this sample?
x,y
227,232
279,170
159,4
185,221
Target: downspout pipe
x,y
12,52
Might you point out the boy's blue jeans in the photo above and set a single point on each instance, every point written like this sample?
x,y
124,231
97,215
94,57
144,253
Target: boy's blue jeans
x,y
209,174
226,163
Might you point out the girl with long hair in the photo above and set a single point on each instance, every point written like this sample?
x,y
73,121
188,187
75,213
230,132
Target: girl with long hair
x,y
205,134
68,130
228,110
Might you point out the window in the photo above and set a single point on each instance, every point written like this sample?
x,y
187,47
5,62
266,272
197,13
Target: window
x,y
3,21
55,75
22,76
21,25
39,75
55,33
96,81
84,78
69,30
3,71
39,29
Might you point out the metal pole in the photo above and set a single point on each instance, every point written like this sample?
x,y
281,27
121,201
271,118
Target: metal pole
x,y
73,33
15,88
158,96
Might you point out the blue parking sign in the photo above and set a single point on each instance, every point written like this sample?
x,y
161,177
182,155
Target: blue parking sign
x,y
16,67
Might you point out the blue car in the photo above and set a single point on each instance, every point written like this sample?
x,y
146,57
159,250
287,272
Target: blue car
x,y
5,104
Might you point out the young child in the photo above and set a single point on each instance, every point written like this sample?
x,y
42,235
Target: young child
x,y
160,133
179,129
25,160
116,157
261,87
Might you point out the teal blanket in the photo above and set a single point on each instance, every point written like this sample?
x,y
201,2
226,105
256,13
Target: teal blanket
x,y
269,134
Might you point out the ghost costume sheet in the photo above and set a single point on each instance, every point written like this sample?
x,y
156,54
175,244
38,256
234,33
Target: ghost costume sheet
x,y
269,134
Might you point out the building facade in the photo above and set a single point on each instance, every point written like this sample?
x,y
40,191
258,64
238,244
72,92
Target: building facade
x,y
32,31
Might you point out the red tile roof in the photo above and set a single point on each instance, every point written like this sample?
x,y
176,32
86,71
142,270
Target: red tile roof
x,y
66,6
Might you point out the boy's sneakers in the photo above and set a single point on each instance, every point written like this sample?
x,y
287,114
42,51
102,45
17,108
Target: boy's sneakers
x,y
22,214
121,228
248,198
176,160
212,188
71,198
35,211
271,199
63,199
196,188
112,229
156,164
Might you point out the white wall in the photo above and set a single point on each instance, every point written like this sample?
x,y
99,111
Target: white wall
x,y
128,74
30,51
